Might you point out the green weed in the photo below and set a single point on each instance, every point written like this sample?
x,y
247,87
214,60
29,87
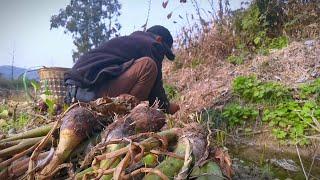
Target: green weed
x,y
310,90
236,60
278,42
6,124
171,91
258,29
291,120
236,114
255,91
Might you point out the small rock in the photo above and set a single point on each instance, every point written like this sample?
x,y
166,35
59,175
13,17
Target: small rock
x,y
277,78
310,43
302,79
287,164
315,72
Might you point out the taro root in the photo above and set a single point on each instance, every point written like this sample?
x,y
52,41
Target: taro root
x,y
81,121
77,124
141,119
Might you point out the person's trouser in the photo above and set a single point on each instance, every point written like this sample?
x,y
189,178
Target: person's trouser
x,y
137,80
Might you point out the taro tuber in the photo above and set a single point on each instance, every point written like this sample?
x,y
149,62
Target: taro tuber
x,y
141,119
77,124
80,122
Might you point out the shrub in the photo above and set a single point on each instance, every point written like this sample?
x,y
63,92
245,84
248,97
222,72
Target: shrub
x,y
268,24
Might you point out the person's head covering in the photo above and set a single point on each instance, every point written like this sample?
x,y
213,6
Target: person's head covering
x,y
166,37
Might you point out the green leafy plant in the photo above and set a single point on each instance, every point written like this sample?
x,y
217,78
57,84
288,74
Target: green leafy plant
x,y
259,27
310,90
278,42
171,91
233,59
46,97
236,114
253,90
20,122
36,86
291,120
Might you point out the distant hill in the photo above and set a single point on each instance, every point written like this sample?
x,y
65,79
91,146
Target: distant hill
x,y
5,71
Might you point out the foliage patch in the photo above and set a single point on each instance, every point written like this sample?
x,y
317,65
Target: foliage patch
x,y
291,120
253,90
171,91
237,114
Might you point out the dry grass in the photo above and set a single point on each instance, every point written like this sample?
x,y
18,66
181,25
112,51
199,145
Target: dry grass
x,y
200,72
201,83
297,63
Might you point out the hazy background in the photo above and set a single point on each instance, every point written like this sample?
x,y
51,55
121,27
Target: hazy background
x,y
25,28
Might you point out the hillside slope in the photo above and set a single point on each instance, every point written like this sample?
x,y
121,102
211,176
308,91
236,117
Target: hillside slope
x,y
203,85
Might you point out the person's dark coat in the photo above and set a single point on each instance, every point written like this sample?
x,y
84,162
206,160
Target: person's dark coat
x,y
114,57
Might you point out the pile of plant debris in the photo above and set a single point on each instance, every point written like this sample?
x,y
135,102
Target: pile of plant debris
x,y
119,138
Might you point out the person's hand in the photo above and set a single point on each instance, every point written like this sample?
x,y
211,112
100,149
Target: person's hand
x,y
173,108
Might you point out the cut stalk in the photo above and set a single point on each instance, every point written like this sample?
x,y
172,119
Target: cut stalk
x,y
20,167
209,171
23,145
37,132
110,163
151,143
148,144
191,137
170,166
9,143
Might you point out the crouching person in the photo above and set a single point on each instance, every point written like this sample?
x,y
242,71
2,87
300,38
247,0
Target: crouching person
x,y
124,65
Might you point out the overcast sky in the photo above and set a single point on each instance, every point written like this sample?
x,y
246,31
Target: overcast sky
x,y
25,28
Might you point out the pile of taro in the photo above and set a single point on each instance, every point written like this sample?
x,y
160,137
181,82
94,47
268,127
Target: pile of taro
x,y
112,138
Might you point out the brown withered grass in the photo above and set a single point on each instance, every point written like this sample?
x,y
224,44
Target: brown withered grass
x,y
203,76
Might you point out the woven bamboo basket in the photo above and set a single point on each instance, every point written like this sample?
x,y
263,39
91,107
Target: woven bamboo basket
x,y
53,79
